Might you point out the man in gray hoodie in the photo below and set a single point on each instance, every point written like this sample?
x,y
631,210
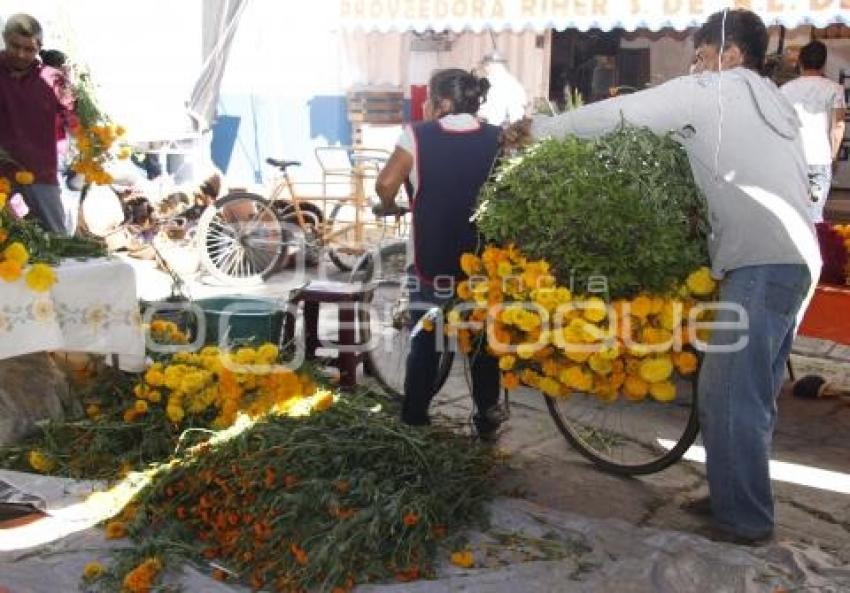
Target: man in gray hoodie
x,y
742,138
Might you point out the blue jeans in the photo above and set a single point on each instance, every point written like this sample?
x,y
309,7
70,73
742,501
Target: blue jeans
x,y
423,360
738,391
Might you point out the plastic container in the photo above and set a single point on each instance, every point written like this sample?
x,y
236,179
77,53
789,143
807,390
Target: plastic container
x,y
248,320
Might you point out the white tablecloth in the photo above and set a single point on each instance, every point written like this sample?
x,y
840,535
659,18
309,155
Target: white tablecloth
x,y
92,307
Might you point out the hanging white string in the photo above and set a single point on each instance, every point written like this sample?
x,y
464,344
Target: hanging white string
x,y
720,95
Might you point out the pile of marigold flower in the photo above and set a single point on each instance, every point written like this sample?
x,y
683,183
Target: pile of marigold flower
x,y
550,339
317,502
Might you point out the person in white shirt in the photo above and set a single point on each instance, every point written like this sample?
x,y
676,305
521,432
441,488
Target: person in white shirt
x,y
506,99
820,104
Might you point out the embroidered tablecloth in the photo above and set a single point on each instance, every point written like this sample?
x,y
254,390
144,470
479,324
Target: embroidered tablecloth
x,y
92,307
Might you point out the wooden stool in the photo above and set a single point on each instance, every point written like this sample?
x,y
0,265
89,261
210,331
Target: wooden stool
x,y
353,318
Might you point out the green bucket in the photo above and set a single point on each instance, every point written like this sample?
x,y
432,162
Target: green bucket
x,y
248,320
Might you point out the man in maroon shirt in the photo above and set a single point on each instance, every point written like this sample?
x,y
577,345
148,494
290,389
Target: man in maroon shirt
x,y
32,97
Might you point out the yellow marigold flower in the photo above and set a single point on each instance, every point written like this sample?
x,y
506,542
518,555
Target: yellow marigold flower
x,y
93,411
550,367
463,559
507,362
656,369
116,530
17,253
3,198
141,406
510,381
246,356
594,310
24,178
40,277
656,305
576,354
323,400
686,362
635,388
504,269
93,570
427,324
663,391
154,396
599,364
174,413
470,264
526,351
563,295
130,415
549,386
40,462
267,353
641,306
700,282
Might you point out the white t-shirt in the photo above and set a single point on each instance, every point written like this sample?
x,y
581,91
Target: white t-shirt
x,y
814,98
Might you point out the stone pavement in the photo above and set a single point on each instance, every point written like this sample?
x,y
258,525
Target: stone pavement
x,y
563,525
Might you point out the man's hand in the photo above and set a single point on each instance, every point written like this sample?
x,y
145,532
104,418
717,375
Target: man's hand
x,y
517,135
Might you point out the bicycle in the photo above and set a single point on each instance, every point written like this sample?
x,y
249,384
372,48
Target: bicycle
x,y
243,237
623,437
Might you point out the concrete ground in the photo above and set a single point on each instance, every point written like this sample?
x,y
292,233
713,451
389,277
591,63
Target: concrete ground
x,y
639,537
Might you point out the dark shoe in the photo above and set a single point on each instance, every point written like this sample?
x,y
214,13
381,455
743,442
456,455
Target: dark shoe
x,y
698,506
487,423
721,533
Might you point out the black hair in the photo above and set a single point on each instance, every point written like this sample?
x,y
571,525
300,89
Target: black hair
x,y
813,55
743,28
464,90
53,58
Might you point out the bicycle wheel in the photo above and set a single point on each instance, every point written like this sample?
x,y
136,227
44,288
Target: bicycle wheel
x,y
346,249
629,438
390,323
240,239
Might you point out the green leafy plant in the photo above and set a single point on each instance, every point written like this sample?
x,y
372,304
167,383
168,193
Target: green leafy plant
x,y
624,207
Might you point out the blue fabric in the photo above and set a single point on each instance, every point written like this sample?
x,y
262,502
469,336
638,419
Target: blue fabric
x,y
738,392
452,167
423,358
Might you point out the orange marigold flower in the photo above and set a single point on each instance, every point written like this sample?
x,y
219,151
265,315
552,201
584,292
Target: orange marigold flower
x,y
411,519
299,554
24,178
115,530
463,559
219,575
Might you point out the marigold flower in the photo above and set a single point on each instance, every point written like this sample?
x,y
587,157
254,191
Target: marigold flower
x,y
93,411
9,271
463,559
116,530
700,283
92,570
299,554
470,264
5,185
411,519
141,406
40,277
641,306
510,381
635,388
656,369
664,391
24,178
686,362
18,253
3,198
40,462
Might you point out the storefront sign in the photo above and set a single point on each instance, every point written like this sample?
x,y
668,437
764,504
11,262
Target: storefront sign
x,y
476,15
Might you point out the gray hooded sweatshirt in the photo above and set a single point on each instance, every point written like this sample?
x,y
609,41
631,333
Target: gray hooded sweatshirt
x,y
743,142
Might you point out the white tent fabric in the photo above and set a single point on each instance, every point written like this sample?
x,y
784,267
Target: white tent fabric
x,y
539,15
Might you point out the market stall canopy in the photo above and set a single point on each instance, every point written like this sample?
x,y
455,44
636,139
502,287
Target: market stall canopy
x,y
539,15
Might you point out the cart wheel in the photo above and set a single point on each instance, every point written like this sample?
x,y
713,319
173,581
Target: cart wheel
x,y
345,250
240,239
390,327
629,438
307,238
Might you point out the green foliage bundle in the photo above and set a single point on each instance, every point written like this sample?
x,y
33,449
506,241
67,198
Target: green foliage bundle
x,y
623,206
